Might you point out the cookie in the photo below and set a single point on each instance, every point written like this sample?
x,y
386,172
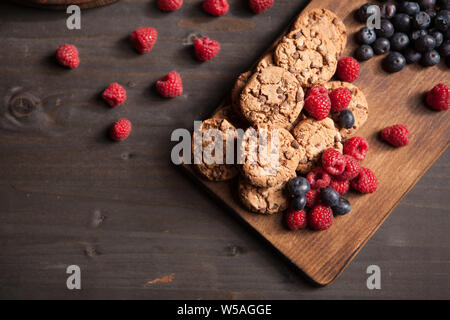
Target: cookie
x,y
214,172
314,137
323,21
262,200
313,61
275,162
227,112
266,61
358,105
240,83
272,97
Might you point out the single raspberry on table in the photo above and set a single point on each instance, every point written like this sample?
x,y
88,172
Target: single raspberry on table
x,y
312,197
333,162
170,86
356,147
170,5
365,182
341,186
259,6
340,99
317,90
318,178
318,106
206,48
67,55
216,7
120,130
438,98
115,94
144,39
348,69
397,135
296,219
351,169
320,217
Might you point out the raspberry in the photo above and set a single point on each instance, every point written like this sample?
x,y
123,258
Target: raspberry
x,y
356,147
438,98
170,5
333,162
206,48
259,6
312,197
320,218
296,219
318,178
340,99
347,69
317,90
351,170
397,135
144,39
170,85
216,7
114,95
67,55
365,182
341,186
318,106
120,130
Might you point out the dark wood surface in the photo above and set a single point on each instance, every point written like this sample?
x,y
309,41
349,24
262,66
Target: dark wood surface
x,y
62,4
122,212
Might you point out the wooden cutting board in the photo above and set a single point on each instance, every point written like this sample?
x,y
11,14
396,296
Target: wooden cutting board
x,y
393,98
62,4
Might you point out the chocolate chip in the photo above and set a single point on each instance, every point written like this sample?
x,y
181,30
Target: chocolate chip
x,y
292,70
294,144
298,35
279,90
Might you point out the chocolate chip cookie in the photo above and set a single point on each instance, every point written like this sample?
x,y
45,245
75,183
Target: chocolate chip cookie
x,y
272,97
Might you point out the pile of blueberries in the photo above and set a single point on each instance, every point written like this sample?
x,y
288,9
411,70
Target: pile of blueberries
x,y
414,31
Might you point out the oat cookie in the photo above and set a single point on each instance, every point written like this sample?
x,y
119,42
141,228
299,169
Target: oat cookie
x,y
215,172
262,200
358,105
274,163
272,97
312,60
314,137
326,22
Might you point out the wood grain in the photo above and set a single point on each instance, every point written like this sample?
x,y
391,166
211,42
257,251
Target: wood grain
x,y
392,98
63,4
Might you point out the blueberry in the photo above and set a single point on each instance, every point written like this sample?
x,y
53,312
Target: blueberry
x,y
409,7
346,119
342,207
381,46
329,196
401,22
298,186
430,58
426,4
438,37
444,4
444,50
417,34
386,29
394,62
388,10
364,52
298,203
421,20
412,56
399,41
366,36
442,20
425,43
364,12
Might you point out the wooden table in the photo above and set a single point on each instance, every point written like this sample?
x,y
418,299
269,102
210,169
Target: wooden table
x,y
133,222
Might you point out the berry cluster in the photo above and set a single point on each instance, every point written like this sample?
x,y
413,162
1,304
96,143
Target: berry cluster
x,y
414,31
322,190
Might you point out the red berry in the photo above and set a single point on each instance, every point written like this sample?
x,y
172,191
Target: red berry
x,y
114,95
333,162
144,39
356,147
67,55
317,90
296,219
170,85
351,170
216,7
438,98
318,106
397,135
320,217
340,99
169,5
318,178
206,48
347,69
341,186
120,130
312,197
365,182
259,6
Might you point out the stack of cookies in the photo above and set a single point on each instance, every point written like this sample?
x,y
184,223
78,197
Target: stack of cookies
x,y
271,96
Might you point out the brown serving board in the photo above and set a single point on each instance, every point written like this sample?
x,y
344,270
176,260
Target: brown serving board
x,y
62,4
392,98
